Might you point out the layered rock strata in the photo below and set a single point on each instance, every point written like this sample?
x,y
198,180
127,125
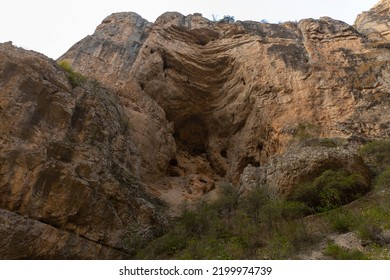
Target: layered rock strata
x,y
171,111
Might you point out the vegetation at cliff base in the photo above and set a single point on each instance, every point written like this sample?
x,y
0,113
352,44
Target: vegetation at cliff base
x,y
336,252
255,226
260,225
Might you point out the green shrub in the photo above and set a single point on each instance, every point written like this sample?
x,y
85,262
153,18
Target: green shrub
x,y
324,142
169,244
377,155
294,210
370,231
227,19
205,248
374,220
378,215
328,142
305,131
75,78
226,204
342,220
253,202
330,190
336,252
194,223
234,228
383,180
278,248
308,134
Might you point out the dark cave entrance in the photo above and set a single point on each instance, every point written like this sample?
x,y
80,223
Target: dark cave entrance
x,y
192,136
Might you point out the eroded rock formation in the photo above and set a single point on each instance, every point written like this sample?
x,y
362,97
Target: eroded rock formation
x,y
69,164
236,94
375,24
176,108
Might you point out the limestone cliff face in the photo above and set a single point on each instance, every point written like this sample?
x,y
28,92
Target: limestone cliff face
x,y
237,94
176,108
375,23
69,165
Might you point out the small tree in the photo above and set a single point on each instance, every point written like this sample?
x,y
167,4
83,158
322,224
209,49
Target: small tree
x,y
254,202
377,155
227,203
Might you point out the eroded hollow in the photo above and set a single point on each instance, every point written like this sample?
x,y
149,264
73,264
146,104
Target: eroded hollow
x,y
191,135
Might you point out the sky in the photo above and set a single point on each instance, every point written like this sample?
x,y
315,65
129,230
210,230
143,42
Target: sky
x,y
53,26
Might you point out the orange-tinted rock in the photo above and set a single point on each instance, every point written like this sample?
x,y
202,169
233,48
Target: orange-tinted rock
x,y
68,161
176,108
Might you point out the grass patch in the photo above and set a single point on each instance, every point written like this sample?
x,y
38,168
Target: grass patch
x,y
324,142
383,180
375,219
342,220
336,252
308,135
377,155
76,79
305,131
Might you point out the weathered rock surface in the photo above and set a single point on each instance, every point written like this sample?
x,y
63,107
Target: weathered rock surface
x,y
69,161
26,238
184,104
121,34
375,24
236,94
302,163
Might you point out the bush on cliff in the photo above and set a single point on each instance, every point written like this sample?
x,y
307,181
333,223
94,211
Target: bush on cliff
x,y
227,19
377,155
75,78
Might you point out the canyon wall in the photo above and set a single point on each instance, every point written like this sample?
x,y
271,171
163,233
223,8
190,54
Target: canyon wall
x,y
170,112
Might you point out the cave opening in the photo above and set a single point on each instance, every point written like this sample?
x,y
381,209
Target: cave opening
x,y
173,162
252,161
191,135
224,153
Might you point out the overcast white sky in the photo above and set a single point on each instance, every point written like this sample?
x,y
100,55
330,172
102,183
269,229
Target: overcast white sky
x,y
53,26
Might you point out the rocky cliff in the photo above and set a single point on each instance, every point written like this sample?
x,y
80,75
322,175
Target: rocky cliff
x,y
70,166
173,110
374,24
